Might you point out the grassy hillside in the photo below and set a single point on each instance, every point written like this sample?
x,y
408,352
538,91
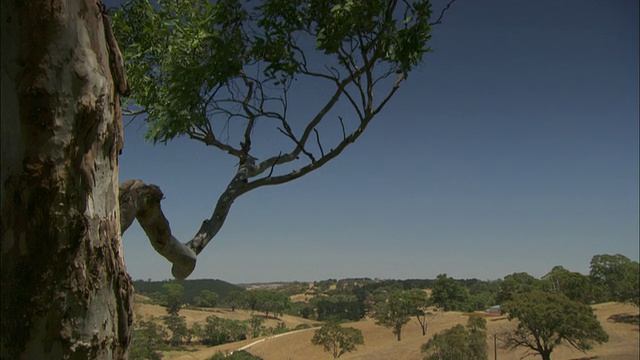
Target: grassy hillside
x,y
381,344
192,288
618,320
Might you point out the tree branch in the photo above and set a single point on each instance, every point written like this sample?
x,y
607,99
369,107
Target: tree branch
x,y
439,20
142,202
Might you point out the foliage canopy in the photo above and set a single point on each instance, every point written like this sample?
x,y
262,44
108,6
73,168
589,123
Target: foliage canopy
x,y
459,342
336,339
547,320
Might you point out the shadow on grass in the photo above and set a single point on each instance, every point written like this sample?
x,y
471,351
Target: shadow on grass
x,y
625,318
587,358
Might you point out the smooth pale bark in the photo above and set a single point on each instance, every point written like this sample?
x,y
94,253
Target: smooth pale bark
x,y
65,290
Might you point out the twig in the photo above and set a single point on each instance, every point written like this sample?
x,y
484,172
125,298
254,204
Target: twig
x,y
274,165
344,133
439,21
318,141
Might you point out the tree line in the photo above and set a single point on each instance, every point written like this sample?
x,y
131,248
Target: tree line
x,y
551,311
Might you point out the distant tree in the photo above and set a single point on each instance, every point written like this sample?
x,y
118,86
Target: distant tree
x,y
419,301
197,331
458,342
270,301
337,308
616,277
221,331
147,339
573,285
250,299
449,294
256,323
207,298
336,339
547,320
178,327
516,283
234,299
395,312
280,328
173,297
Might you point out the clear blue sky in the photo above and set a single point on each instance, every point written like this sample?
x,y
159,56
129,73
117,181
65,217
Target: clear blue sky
x,y
513,148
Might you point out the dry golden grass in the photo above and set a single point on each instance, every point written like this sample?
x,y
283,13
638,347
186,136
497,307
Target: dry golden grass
x,y
381,343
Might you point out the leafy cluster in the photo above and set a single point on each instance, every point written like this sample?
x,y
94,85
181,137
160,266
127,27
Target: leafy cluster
x,y
459,342
212,69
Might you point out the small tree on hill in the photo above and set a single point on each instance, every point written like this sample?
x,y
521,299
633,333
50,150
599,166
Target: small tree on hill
x,y
173,297
336,339
178,327
207,298
517,283
234,299
448,294
395,312
458,342
573,285
419,301
148,338
616,277
547,320
271,301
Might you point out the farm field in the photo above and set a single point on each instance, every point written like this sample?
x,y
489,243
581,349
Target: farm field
x,y
380,342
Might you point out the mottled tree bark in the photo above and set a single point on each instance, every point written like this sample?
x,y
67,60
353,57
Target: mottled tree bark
x,y
65,290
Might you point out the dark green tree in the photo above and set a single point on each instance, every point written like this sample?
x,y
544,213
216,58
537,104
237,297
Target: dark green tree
x,y
516,283
337,308
207,298
222,73
616,278
459,342
448,294
573,285
220,331
547,320
234,299
419,302
173,298
395,312
271,301
147,340
336,339
256,324
178,327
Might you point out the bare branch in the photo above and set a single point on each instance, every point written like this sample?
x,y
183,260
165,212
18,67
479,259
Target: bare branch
x,y
142,202
274,165
439,20
318,141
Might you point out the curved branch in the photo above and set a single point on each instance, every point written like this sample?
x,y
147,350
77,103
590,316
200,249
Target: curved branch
x,y
142,202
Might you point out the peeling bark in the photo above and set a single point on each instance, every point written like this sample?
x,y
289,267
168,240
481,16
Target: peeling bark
x,y
65,290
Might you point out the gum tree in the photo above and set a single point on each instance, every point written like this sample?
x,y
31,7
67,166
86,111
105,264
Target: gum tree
x,y
223,73
65,290
336,339
548,320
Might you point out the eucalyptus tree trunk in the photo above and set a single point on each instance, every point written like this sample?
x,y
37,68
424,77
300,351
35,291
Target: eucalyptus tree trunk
x,y
65,290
